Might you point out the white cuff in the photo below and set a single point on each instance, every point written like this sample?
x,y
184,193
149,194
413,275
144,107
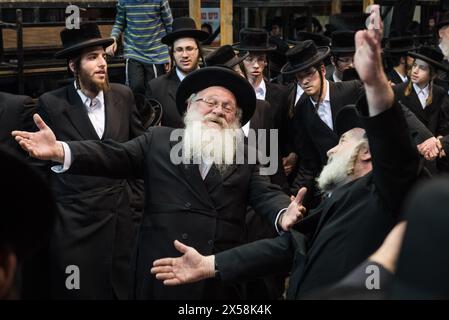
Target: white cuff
x,y
61,168
277,219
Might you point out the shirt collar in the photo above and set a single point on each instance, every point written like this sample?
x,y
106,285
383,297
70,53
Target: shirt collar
x,y
180,74
403,78
262,88
326,97
418,90
335,77
86,100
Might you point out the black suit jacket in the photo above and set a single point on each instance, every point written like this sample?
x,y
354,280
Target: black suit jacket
x,y
433,116
394,77
209,214
163,89
16,113
95,228
338,240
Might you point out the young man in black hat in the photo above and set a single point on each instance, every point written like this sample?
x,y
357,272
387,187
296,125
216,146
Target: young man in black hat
x,y
399,60
199,195
368,175
185,52
342,55
95,229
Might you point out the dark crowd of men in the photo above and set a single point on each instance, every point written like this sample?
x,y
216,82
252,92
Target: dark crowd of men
x,y
114,207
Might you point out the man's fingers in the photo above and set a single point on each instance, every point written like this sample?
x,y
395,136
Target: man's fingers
x,y
180,246
165,276
172,282
163,262
39,122
161,269
300,196
359,38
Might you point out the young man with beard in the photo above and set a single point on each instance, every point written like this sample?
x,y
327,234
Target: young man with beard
x,y
185,52
367,177
201,200
95,228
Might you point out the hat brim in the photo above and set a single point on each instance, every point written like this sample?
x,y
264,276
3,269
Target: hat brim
x,y
237,46
347,119
70,51
236,60
343,50
401,50
222,77
200,35
428,60
323,53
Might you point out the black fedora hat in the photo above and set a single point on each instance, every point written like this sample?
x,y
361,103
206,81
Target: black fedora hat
x,y
224,56
253,39
444,20
400,45
75,40
218,76
343,42
304,55
431,56
184,27
347,118
25,225
320,41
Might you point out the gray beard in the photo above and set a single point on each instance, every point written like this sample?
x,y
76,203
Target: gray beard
x,y
335,172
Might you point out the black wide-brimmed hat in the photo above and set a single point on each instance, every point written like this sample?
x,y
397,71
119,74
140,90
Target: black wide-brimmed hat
x,y
318,39
304,55
184,27
222,77
25,223
347,118
224,56
254,39
400,45
431,56
444,20
74,40
150,110
343,42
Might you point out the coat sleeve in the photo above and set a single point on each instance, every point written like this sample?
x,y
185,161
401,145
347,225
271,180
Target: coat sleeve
x,y
256,259
110,158
395,159
418,130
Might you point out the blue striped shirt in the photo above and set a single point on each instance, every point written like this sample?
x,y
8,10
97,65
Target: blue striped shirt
x,y
144,23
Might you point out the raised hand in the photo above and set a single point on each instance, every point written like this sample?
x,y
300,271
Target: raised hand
x,y
112,49
190,267
42,144
295,211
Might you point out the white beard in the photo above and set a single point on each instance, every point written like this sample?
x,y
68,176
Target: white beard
x,y
335,172
206,145
444,45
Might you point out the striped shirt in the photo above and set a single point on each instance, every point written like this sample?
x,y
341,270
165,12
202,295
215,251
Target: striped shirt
x,y
144,23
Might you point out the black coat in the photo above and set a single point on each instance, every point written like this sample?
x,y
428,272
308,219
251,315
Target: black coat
x,y
95,228
163,89
338,240
208,215
394,77
16,113
433,116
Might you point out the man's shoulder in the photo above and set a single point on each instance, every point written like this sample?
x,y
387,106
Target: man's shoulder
x,y
12,100
162,80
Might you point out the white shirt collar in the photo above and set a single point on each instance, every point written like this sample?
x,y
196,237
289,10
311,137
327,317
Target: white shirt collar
x,y
261,90
86,100
424,91
335,77
180,74
403,78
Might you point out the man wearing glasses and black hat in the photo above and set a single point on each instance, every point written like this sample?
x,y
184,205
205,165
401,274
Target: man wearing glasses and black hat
x,y
342,55
185,53
95,229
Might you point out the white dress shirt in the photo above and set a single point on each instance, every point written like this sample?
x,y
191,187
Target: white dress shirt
x,y
422,94
299,92
95,110
180,74
324,108
403,78
261,90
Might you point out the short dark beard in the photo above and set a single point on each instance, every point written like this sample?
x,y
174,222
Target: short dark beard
x,y
87,83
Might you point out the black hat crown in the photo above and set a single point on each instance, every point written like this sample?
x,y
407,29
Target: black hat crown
x,y
223,56
304,55
184,27
343,41
87,35
254,39
430,55
400,44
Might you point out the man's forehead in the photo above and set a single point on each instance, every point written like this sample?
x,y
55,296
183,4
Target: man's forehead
x,y
184,42
219,90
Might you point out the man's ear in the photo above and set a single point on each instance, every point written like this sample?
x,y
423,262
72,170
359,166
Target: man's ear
x,y
365,154
8,268
72,65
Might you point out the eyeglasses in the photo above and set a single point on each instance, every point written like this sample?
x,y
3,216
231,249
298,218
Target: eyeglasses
x,y
306,74
214,103
188,50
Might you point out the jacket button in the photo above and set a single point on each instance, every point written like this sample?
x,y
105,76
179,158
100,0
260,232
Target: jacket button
x,y
184,236
210,242
187,204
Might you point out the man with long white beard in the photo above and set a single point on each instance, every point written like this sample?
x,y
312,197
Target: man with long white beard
x,y
191,200
365,183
